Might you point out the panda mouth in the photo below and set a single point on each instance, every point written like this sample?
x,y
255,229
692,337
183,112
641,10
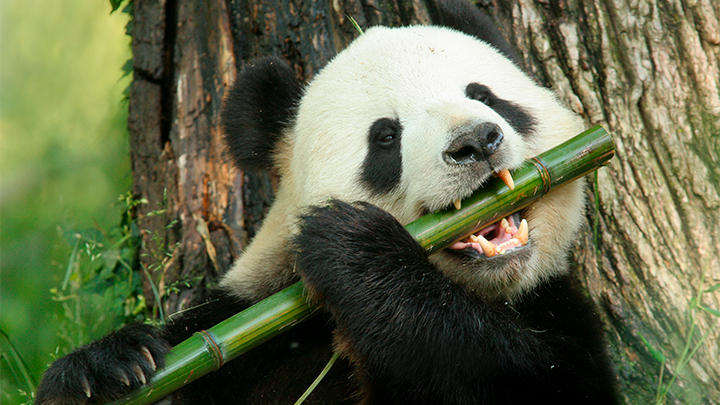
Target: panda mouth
x,y
507,234
499,238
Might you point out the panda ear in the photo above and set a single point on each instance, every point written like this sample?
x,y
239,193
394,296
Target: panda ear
x,y
259,106
465,17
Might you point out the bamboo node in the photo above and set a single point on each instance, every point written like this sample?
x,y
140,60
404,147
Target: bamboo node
x,y
544,173
213,347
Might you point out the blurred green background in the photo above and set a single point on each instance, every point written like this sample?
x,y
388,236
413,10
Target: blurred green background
x,y
64,161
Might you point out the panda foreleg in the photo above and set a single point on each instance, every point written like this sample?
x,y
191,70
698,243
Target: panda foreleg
x,y
414,336
105,370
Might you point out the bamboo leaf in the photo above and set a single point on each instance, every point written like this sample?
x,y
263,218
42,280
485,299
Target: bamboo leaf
x,y
208,350
656,354
713,288
710,311
355,25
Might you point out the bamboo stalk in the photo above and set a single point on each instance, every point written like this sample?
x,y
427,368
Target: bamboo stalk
x,y
208,350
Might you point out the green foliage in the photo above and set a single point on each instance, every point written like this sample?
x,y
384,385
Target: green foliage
x,y
101,288
355,25
18,370
64,160
691,346
160,253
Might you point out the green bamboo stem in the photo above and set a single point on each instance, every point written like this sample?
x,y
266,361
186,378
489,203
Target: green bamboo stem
x,y
208,350
549,170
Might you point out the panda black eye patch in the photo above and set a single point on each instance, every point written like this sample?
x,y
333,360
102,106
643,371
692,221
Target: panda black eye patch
x,y
515,115
382,167
385,133
480,93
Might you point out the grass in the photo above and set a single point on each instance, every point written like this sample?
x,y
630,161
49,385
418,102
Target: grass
x,y
690,347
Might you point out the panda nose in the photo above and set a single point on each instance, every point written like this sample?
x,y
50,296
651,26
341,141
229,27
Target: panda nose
x,y
476,144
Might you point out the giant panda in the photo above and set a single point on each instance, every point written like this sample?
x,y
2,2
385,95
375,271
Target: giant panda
x,y
404,122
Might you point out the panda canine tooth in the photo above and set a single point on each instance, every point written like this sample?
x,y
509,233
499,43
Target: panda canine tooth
x,y
456,203
506,178
522,233
487,246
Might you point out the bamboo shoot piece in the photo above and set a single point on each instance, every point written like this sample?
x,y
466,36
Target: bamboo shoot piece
x,y
208,350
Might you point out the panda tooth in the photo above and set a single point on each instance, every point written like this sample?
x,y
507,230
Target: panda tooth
x,y
505,225
456,203
487,246
522,233
506,178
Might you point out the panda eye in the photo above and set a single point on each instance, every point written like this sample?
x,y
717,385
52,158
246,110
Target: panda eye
x,y
480,93
385,132
387,139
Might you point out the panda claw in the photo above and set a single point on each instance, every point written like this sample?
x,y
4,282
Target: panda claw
x,y
148,356
139,373
86,387
124,378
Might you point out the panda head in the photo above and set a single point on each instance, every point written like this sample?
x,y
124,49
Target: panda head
x,y
409,119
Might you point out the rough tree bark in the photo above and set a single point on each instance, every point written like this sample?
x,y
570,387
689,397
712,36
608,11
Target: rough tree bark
x,y
648,70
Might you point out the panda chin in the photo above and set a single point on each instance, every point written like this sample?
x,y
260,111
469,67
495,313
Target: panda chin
x,y
504,238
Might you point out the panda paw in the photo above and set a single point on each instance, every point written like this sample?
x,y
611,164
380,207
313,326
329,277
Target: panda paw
x,y
105,370
341,245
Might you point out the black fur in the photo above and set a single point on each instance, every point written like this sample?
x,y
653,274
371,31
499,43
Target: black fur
x,y
417,338
100,367
465,17
522,121
382,167
258,107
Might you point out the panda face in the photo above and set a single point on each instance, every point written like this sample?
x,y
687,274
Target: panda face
x,y
412,120
397,116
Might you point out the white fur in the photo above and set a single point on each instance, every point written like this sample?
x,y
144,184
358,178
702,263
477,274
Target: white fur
x,y
417,75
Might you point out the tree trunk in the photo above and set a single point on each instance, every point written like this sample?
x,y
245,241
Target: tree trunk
x,y
647,70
